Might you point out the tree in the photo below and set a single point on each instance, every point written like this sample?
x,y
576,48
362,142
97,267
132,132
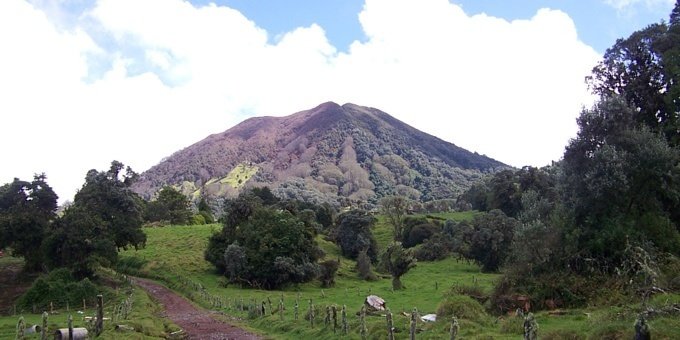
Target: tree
x,y
397,261
353,234
269,249
327,272
170,205
644,70
491,239
364,267
621,183
107,196
26,211
395,209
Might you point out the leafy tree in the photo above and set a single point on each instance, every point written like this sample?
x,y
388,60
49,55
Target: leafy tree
x,y
491,239
644,70
26,211
268,249
108,197
77,241
353,234
397,261
621,183
170,205
395,209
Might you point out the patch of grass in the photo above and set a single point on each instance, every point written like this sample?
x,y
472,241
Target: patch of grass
x,y
239,175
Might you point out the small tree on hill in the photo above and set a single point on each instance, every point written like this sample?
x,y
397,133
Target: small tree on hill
x,y
171,205
353,234
397,261
395,208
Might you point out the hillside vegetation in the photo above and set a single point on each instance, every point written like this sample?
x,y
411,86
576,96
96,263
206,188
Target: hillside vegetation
x,y
325,154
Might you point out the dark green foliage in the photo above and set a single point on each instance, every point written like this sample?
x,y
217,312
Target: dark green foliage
x,y
397,261
107,196
78,241
205,211
353,234
491,238
621,183
170,205
419,233
58,287
263,247
364,267
26,211
433,249
644,70
327,272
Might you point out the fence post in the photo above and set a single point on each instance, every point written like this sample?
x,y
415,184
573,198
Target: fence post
x,y
414,321
70,326
390,326
43,330
641,328
295,311
311,313
530,327
21,328
327,318
455,327
343,314
84,306
334,315
99,323
362,323
281,309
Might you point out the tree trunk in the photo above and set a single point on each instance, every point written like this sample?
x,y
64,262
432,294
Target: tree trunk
x,y
396,283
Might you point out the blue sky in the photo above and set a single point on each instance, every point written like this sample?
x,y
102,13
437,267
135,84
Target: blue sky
x,y
84,82
599,23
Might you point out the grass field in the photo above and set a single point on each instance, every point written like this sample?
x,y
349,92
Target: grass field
x,y
175,254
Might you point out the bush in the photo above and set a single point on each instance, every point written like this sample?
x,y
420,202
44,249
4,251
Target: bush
x,y
58,287
463,307
327,272
197,219
419,233
434,249
364,267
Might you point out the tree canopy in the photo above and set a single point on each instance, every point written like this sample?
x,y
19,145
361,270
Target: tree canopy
x,y
26,211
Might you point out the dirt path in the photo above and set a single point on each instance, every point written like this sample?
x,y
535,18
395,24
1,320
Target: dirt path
x,y
197,323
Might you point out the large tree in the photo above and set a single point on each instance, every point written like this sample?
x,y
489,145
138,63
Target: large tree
x,y
397,261
107,196
26,211
353,234
644,70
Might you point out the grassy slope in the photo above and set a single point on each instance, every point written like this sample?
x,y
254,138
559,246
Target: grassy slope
x,y
177,251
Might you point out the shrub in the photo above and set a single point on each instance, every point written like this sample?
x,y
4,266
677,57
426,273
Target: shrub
x,y
434,249
327,272
364,267
463,307
419,233
58,287
197,219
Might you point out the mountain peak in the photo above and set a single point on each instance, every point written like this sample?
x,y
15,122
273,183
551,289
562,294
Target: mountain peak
x,y
322,154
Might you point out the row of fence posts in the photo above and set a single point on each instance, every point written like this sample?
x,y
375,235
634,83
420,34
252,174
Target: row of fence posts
x,y
120,312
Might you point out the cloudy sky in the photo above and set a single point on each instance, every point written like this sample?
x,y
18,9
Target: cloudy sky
x,y
84,82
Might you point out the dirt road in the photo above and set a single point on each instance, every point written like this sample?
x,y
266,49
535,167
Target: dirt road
x,y
197,323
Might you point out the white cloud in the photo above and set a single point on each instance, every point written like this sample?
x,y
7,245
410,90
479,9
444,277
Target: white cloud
x,y
175,73
622,5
